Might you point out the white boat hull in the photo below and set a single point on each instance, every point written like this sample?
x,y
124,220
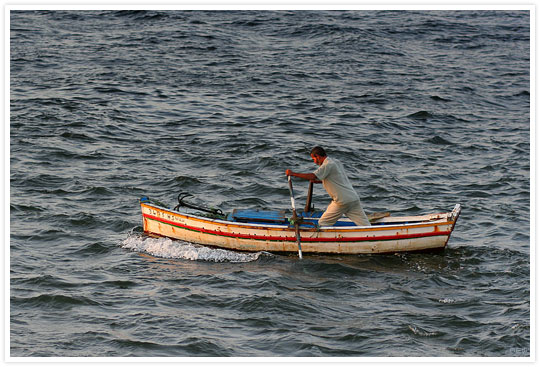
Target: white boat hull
x,y
388,235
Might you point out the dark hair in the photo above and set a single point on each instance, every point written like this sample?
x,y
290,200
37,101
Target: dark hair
x,y
318,151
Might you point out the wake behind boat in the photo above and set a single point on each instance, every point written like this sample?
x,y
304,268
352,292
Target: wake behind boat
x,y
274,231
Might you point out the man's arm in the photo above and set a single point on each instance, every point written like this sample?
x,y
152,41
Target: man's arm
x,y
306,176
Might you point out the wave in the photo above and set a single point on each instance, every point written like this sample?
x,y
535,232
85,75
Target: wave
x,y
421,115
171,249
53,301
441,99
141,15
437,140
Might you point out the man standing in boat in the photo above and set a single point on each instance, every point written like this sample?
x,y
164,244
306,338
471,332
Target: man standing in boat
x,y
345,200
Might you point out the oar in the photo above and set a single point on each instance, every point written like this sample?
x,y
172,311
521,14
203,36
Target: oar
x,y
295,219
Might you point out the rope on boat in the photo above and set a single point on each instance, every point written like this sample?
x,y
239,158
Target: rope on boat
x,y
217,212
300,220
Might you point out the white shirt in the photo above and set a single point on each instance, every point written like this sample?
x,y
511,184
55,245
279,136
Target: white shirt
x,y
335,181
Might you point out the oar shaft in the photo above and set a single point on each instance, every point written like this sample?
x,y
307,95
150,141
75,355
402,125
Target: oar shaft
x,y
297,230
295,218
309,197
292,193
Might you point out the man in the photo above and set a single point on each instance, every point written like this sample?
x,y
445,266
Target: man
x,y
345,200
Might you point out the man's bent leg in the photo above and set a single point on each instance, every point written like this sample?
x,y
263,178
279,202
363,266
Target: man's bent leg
x,y
356,213
331,215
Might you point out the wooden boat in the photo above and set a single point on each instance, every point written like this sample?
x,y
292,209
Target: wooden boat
x,y
273,231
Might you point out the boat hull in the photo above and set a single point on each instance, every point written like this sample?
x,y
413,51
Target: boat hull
x,y
390,235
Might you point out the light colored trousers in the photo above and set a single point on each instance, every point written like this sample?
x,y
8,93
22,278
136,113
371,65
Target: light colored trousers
x,y
353,210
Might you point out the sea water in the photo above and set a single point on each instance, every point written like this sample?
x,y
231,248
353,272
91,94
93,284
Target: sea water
x,y
425,109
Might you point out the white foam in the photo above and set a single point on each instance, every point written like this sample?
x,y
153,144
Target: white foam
x,y
169,249
421,332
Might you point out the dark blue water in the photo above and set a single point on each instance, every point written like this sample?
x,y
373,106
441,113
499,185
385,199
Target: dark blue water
x,y
425,108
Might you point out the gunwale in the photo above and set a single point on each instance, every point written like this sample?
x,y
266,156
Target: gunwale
x,y
287,228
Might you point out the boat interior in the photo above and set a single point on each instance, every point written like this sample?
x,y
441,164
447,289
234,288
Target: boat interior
x,y
310,219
